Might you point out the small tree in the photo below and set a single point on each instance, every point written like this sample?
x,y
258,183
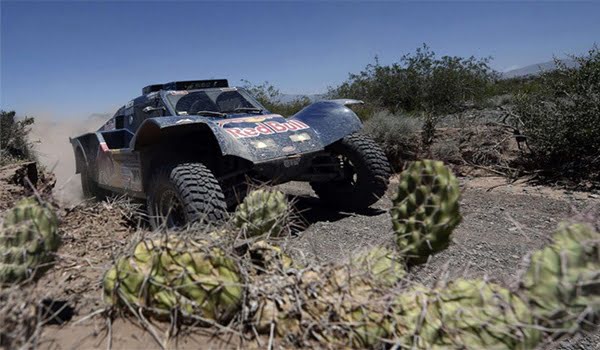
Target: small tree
x,y
562,119
14,143
270,97
420,81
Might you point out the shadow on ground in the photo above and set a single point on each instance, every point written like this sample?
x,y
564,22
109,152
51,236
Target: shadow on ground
x,y
311,210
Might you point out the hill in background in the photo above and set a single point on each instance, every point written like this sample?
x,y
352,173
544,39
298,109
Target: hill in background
x,y
535,69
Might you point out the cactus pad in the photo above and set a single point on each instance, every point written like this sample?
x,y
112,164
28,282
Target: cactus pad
x,y
383,265
263,212
425,210
167,274
28,238
561,283
468,314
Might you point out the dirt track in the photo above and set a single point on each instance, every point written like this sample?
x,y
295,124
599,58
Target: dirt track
x,y
502,223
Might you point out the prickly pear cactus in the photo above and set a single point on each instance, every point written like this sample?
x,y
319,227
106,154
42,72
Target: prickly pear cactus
x,y
348,303
353,322
263,212
274,303
28,238
561,283
341,304
384,266
267,258
469,314
425,209
167,274
273,298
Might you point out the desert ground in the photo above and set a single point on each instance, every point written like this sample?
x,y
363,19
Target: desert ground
x,y
502,223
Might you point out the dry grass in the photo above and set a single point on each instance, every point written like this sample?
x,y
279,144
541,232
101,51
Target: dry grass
x,y
304,304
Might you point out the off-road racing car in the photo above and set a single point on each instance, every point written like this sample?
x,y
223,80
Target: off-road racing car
x,y
190,147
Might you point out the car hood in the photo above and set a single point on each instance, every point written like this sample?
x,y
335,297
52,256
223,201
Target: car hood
x,y
257,138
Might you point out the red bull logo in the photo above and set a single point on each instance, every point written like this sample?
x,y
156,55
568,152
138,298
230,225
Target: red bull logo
x,y
267,128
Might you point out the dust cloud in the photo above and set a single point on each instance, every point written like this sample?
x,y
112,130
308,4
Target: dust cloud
x,y
51,140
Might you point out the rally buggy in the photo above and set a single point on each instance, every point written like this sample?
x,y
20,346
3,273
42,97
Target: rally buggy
x,y
190,147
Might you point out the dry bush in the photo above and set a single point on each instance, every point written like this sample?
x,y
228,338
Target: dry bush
x,y
397,134
500,100
19,321
474,138
447,151
14,142
485,145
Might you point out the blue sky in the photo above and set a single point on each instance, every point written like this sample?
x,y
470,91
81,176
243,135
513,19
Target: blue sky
x,y
72,59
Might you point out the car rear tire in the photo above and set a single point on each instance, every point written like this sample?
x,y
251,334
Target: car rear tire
x,y
89,187
184,194
365,174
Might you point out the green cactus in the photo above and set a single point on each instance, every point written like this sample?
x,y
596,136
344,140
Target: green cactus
x,y
352,321
382,265
350,301
263,212
470,314
28,238
561,283
167,274
425,210
349,296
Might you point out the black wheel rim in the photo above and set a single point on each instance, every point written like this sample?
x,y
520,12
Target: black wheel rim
x,y
170,210
349,174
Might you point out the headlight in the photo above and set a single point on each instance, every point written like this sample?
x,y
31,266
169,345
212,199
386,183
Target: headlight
x,y
300,137
268,143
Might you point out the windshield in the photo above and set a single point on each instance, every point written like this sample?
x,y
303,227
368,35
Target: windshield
x,y
226,100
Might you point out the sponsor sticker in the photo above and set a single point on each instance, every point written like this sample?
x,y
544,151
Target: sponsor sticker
x,y
267,128
291,162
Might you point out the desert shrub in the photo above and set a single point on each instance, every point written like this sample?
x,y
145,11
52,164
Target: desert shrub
x,y
562,119
269,96
398,135
498,101
420,81
14,143
517,85
428,130
447,150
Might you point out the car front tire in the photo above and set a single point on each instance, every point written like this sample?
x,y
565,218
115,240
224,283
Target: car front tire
x,y
365,174
184,194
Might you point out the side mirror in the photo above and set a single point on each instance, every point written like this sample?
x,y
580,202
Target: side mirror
x,y
150,109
